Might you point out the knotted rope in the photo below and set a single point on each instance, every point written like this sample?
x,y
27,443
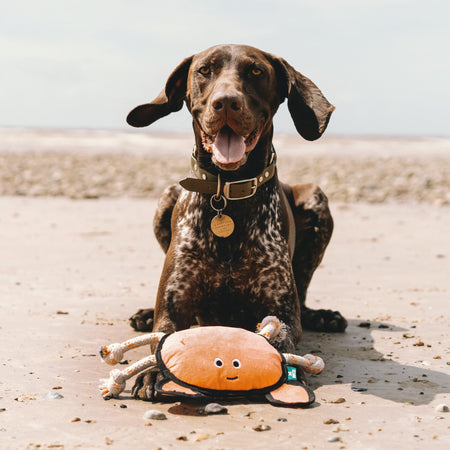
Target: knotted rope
x,y
113,354
274,330
115,384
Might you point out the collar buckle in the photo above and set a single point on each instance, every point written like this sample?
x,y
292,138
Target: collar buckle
x,y
242,188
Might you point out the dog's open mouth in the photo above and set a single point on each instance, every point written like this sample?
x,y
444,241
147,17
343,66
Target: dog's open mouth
x,y
228,148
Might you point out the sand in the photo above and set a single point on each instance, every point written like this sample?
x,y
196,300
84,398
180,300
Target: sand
x,y
73,271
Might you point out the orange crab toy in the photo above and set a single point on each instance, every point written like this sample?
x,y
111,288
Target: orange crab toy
x,y
217,362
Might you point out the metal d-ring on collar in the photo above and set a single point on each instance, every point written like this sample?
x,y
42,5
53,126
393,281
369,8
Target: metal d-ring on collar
x,y
217,198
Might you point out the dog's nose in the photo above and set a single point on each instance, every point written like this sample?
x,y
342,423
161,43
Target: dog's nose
x,y
224,102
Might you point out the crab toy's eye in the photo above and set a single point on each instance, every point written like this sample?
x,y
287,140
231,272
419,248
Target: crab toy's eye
x,y
256,71
205,70
236,364
218,362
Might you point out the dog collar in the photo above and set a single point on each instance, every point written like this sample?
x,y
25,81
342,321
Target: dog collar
x,y
206,182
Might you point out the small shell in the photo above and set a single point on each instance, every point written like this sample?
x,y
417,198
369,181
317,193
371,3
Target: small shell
x,y
52,396
212,408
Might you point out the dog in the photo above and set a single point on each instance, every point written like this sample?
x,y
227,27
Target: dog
x,y
240,245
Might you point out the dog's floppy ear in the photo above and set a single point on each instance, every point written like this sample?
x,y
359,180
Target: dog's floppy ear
x,y
309,108
169,100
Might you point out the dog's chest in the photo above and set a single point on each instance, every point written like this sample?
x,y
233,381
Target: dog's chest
x,y
252,266
256,221
256,245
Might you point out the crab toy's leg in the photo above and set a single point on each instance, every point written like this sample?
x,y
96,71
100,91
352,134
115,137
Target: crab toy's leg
x,y
311,363
113,353
269,327
115,384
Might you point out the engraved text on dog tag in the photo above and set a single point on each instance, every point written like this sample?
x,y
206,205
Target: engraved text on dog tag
x,y
222,225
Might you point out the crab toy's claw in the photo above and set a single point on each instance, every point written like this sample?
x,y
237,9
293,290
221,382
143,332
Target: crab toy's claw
x,y
112,354
114,385
273,329
315,364
310,363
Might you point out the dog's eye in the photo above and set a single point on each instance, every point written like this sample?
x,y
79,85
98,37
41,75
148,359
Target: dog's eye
x,y
218,362
236,364
205,70
256,71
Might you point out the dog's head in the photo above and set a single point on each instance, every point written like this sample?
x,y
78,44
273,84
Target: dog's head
x,y
233,92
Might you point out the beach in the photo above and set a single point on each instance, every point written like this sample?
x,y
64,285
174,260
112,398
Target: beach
x,y
78,258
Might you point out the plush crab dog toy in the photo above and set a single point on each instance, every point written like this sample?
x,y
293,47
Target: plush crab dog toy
x,y
217,362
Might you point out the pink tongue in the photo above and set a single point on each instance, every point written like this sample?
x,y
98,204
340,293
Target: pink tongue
x,y
228,147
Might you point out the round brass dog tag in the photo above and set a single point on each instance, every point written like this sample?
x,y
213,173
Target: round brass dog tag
x,y
222,225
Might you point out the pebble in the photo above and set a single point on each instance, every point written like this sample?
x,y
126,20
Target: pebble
x,y
154,414
213,408
52,396
262,427
334,439
338,400
201,437
442,408
282,419
358,389
330,421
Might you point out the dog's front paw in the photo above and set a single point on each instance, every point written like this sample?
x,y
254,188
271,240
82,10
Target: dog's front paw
x,y
323,320
143,320
144,387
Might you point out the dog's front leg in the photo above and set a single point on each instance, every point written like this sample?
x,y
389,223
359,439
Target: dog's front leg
x,y
175,310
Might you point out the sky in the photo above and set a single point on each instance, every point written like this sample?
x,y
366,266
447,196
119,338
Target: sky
x,y
384,64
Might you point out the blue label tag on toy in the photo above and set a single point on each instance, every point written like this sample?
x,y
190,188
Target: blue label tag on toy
x,y
292,373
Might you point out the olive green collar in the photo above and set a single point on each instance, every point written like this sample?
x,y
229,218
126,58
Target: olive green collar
x,y
208,183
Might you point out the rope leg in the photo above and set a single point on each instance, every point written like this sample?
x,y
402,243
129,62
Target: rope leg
x,y
269,327
115,384
311,363
113,353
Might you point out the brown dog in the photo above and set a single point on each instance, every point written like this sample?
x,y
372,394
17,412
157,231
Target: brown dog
x,y
239,244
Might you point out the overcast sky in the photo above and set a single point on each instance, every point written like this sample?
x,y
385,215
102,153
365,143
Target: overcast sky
x,y
384,64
